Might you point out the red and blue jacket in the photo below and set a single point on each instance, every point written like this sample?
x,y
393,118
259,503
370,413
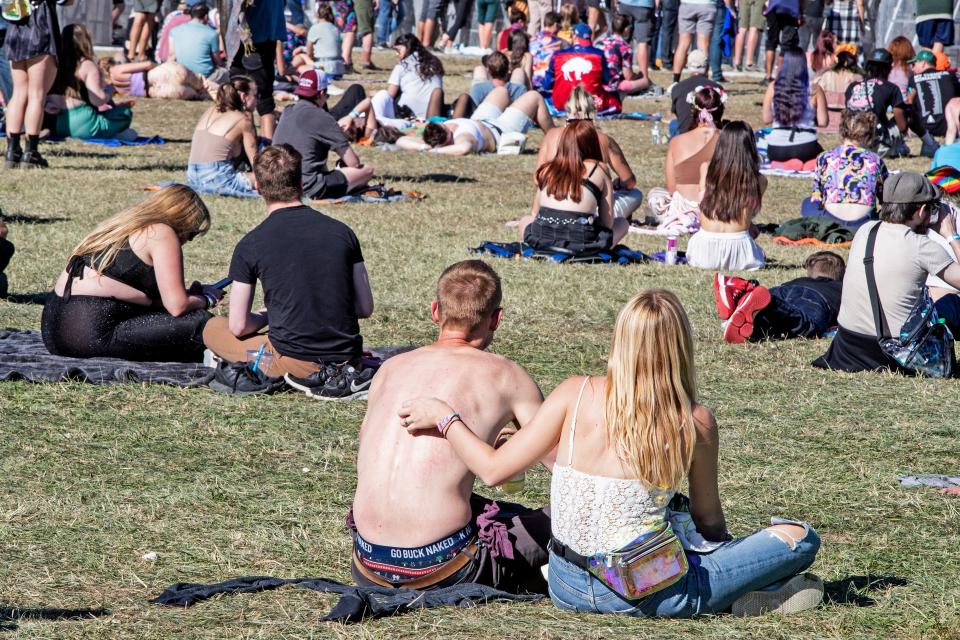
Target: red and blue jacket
x,y
583,65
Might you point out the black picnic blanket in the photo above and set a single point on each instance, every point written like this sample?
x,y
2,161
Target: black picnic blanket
x,y
356,604
23,356
619,254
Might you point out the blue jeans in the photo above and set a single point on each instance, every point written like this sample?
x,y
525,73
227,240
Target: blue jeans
x,y
812,209
716,43
948,308
669,11
6,77
794,312
389,15
221,178
711,585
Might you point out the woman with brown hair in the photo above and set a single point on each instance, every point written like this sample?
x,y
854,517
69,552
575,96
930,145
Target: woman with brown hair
x,y
624,444
575,197
224,136
834,83
80,103
122,293
732,194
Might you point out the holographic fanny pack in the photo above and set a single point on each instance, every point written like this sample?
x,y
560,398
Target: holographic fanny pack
x,y
652,562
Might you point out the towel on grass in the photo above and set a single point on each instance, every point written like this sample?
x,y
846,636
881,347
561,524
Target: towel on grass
x,y
376,193
608,115
930,480
110,142
356,604
767,170
23,356
617,255
209,192
816,231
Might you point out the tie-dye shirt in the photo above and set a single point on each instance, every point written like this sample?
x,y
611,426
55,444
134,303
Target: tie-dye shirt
x,y
542,48
617,55
849,175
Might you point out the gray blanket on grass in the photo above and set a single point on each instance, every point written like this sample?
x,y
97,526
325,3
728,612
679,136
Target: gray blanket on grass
x,y
24,357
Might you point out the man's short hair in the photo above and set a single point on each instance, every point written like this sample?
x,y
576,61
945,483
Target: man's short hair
x,y
279,173
825,264
435,134
899,212
551,19
199,11
859,127
498,65
468,293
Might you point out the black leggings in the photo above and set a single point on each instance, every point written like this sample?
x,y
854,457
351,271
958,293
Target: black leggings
x,y
353,96
461,18
6,252
91,327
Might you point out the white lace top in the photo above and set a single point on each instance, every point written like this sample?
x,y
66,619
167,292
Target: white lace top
x,y
592,514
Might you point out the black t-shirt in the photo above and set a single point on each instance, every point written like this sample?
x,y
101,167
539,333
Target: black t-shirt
x,y
678,98
876,96
830,289
304,260
934,90
313,132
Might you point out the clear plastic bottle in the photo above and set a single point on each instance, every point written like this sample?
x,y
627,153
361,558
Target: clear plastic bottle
x,y
656,133
514,484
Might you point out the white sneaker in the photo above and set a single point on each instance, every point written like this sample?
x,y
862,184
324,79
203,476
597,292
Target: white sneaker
x,y
799,593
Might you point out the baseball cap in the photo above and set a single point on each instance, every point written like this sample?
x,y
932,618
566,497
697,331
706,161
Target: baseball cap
x,y
582,31
909,188
697,59
312,82
881,55
924,55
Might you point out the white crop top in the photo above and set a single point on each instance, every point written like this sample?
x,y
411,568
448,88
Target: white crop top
x,y
467,127
592,514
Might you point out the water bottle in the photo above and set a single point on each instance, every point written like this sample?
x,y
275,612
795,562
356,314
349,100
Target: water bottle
x,y
656,133
671,255
514,484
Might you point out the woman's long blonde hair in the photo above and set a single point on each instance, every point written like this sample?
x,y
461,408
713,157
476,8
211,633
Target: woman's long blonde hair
x,y
177,206
651,389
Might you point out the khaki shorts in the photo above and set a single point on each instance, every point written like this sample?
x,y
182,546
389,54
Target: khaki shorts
x,y
751,15
364,11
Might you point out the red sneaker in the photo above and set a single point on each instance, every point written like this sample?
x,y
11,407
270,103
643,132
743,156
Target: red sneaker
x,y
728,291
740,325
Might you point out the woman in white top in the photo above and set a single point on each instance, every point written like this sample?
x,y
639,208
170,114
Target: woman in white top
x,y
624,443
795,109
323,43
415,83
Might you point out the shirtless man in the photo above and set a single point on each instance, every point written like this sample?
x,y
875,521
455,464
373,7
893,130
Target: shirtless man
x,y
495,117
417,522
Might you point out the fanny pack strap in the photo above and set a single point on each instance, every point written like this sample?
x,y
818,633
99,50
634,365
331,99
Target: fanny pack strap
x,y
879,320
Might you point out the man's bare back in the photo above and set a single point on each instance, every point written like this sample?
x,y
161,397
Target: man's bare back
x,y
413,489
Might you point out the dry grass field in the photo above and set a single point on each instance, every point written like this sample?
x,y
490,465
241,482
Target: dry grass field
x,y
92,478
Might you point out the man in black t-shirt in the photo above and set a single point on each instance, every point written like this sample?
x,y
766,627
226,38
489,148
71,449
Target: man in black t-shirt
x,y
930,91
877,94
801,308
315,288
310,129
678,94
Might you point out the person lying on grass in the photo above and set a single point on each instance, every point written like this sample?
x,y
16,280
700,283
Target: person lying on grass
x,y
493,73
417,522
801,308
483,132
122,293
315,286
623,445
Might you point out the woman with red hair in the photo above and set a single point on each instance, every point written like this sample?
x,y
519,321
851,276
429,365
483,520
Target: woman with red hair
x,y
575,200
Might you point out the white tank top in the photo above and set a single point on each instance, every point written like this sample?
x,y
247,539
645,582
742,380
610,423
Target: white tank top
x,y
592,514
469,127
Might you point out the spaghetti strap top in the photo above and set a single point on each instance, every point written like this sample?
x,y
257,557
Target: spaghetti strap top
x,y
210,147
592,513
594,190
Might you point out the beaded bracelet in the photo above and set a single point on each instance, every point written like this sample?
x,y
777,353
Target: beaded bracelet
x,y
445,423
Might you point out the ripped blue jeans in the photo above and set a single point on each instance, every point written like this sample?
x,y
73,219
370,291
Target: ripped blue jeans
x,y
712,583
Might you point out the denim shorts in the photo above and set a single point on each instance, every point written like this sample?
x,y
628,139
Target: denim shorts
x,y
220,178
711,584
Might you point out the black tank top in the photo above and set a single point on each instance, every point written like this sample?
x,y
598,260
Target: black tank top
x,y
126,267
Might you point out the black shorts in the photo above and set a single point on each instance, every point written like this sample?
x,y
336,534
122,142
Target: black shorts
x,y
642,23
802,152
333,185
261,73
936,30
782,30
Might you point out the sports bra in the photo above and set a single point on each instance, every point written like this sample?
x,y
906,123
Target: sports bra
x,y
127,267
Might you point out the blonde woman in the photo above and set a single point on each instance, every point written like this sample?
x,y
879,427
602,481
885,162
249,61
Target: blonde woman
x,y
122,293
624,444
